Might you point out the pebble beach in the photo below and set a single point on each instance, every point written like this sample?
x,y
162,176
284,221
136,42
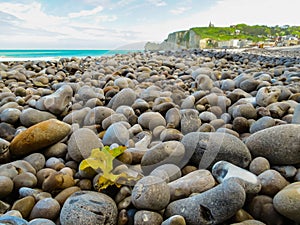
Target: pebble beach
x,y
211,137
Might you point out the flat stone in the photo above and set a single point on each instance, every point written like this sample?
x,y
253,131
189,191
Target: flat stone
x,y
279,144
39,136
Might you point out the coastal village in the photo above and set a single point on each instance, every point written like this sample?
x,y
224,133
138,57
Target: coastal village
x,y
191,39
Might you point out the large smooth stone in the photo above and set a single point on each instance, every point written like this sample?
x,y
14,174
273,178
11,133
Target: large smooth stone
x,y
124,97
211,207
287,201
12,220
39,136
81,144
279,144
205,149
163,153
88,208
32,116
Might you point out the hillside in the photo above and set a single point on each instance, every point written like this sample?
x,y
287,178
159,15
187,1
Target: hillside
x,y
235,36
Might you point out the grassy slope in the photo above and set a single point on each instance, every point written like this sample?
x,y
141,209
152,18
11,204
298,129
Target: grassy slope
x,y
255,33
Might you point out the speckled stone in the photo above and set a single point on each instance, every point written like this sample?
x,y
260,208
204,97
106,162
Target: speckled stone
x,y
39,136
287,201
41,221
267,95
174,220
89,208
205,149
210,207
150,193
262,123
190,120
279,144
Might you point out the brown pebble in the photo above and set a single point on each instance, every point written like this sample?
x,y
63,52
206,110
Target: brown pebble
x,y
6,186
24,205
259,165
64,194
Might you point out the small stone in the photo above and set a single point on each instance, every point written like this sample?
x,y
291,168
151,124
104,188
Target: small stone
x,y
65,194
190,121
57,102
87,208
77,116
279,144
144,217
150,120
4,207
267,95
47,208
116,133
207,117
258,165
12,220
57,181
4,146
286,171
37,160
287,201
261,208
262,123
150,193
7,131
10,115
249,222
174,220
25,179
223,170
296,116
30,117
194,182
81,144
271,182
97,115
41,221
213,206
39,136
24,205
124,97
163,153
167,172
6,186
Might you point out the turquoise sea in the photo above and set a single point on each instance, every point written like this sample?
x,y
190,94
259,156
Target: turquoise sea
x,y
55,54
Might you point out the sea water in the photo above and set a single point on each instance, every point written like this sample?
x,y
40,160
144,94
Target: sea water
x,y
21,55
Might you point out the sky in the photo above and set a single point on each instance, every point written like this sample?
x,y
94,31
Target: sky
x,y
126,24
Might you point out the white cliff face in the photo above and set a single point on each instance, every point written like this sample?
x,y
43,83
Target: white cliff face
x,y
177,40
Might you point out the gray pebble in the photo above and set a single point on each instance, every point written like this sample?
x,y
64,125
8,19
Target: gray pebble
x,y
10,115
144,217
124,97
12,220
32,116
81,144
116,133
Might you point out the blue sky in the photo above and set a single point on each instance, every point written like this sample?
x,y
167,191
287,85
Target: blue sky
x,y
119,24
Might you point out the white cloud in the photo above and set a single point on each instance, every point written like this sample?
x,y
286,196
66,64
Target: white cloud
x,y
83,13
179,10
157,3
